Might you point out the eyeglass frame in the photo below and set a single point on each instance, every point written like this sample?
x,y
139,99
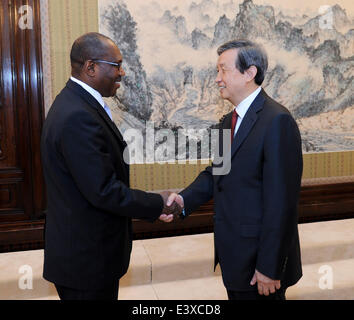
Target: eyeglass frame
x,y
115,64
118,65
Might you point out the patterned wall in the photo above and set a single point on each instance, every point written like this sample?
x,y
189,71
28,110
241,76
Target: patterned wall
x,y
169,49
64,20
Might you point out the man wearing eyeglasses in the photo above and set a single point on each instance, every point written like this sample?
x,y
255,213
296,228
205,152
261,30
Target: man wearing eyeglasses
x,y
88,231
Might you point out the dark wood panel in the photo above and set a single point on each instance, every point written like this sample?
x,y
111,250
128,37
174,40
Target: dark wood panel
x,y
5,199
8,196
11,187
34,98
326,202
21,114
7,119
21,236
12,209
317,203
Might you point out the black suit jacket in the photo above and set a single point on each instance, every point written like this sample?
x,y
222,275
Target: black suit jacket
x,y
88,232
255,221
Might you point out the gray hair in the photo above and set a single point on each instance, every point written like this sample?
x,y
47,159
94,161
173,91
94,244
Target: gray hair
x,y
249,54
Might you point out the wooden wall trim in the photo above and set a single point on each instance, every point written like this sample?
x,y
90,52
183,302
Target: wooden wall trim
x,y
22,113
317,203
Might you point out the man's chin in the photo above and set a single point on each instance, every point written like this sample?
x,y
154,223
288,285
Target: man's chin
x,y
114,89
223,94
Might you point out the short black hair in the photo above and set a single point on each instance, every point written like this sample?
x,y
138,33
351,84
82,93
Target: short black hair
x,y
92,45
249,54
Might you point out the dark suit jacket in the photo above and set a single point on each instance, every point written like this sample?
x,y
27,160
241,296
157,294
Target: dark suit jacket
x,y
255,221
88,232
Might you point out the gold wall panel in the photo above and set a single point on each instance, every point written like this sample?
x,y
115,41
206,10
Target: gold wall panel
x,y
68,19
328,164
176,176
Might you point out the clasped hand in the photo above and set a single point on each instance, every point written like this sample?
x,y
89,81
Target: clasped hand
x,y
173,206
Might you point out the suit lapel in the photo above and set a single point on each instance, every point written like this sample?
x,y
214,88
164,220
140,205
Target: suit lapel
x,y
246,125
110,123
95,104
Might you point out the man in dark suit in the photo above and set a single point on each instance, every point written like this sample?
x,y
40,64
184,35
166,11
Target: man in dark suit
x,y
255,222
88,231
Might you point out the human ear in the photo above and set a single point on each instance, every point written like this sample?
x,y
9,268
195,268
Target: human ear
x,y
251,73
89,68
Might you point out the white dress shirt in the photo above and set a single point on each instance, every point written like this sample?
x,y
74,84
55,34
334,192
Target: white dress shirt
x,y
242,108
94,93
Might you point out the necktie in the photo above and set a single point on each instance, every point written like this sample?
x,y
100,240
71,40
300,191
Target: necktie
x,y
233,123
106,108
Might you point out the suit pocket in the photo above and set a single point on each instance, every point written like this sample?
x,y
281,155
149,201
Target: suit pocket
x,y
250,230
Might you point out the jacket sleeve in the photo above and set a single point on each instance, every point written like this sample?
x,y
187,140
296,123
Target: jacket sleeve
x,y
85,152
199,191
282,170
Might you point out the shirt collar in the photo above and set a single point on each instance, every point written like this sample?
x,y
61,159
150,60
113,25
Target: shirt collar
x,y
242,108
90,90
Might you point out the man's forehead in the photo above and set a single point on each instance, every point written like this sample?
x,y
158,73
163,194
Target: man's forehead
x,y
227,57
119,57
114,52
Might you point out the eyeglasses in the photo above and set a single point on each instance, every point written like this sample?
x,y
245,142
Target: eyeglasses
x,y
117,65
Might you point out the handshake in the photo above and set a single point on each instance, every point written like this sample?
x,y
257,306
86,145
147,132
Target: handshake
x,y
173,206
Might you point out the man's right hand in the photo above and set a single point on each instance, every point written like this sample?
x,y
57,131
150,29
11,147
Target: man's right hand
x,y
171,209
174,197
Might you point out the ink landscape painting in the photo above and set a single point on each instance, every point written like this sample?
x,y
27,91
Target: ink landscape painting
x,y
169,49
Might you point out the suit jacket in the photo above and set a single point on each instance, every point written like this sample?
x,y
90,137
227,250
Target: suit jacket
x,y
88,231
255,204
